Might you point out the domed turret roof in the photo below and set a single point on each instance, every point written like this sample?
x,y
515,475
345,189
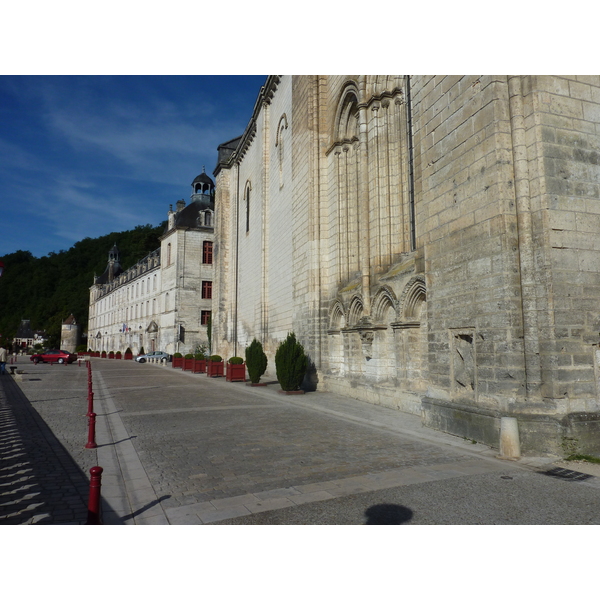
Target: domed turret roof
x,y
203,178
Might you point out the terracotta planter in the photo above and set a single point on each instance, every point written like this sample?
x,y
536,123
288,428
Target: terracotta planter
x,y
188,364
103,355
118,356
236,372
199,366
214,369
128,356
177,363
111,355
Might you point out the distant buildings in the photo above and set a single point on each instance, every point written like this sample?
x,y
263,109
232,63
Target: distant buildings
x,y
70,334
26,338
164,301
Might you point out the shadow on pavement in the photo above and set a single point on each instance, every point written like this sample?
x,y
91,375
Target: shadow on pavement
x,y
40,483
388,514
144,508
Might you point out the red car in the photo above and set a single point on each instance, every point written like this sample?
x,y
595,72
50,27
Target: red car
x,y
54,356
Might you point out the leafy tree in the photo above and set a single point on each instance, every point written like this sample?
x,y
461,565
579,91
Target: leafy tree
x,y
47,290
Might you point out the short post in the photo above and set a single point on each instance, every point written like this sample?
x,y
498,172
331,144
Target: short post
x,y
510,446
90,403
92,432
94,499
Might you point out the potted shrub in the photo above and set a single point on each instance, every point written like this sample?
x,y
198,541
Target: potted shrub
x,y
177,360
256,361
290,365
214,366
118,354
236,369
199,363
111,354
188,362
128,354
103,355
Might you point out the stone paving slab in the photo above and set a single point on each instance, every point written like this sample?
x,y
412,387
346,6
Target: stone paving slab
x,y
184,449
44,467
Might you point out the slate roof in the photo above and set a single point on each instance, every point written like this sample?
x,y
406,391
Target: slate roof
x,y
188,217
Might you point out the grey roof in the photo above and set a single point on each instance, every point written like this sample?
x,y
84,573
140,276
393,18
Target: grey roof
x,y
203,178
188,217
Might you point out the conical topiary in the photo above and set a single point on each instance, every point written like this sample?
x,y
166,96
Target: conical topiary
x,y
256,361
290,363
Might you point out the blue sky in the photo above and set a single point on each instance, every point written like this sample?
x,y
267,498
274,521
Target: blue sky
x,y
83,156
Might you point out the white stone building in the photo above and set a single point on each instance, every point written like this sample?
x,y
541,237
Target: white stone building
x,y
431,240
164,301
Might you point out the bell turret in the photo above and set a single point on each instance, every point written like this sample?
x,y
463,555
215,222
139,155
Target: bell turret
x,y
203,189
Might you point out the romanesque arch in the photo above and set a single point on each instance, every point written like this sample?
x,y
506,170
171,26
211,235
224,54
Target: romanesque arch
x,y
355,310
384,305
337,322
413,297
411,333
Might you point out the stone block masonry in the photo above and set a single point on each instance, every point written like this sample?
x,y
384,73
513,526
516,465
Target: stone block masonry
x,y
431,240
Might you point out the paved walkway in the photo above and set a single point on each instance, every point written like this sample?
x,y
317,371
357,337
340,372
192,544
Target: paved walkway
x,y
181,448
43,464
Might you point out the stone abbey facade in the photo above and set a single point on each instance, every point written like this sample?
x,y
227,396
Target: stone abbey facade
x,y
433,241
164,301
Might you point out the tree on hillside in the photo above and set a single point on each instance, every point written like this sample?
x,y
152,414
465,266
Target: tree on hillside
x,y
47,290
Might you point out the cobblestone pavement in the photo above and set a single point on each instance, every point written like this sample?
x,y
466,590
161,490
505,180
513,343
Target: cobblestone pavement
x,y
43,463
181,448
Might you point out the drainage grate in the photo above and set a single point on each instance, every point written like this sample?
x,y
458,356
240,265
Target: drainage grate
x,y
561,473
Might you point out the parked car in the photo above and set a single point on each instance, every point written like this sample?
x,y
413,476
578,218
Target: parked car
x,y
162,356
53,356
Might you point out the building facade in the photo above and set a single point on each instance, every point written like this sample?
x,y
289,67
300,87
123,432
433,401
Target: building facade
x,y
164,301
431,240
26,338
70,334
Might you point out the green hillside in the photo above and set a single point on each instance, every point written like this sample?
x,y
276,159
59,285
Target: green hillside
x,y
47,290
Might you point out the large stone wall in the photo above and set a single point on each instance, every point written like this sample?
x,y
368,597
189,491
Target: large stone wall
x,y
431,240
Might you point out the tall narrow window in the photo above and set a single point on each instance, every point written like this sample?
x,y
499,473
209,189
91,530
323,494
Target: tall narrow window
x,y
204,317
247,208
168,254
207,253
207,290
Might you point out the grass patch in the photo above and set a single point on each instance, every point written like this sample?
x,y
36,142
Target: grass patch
x,y
584,458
